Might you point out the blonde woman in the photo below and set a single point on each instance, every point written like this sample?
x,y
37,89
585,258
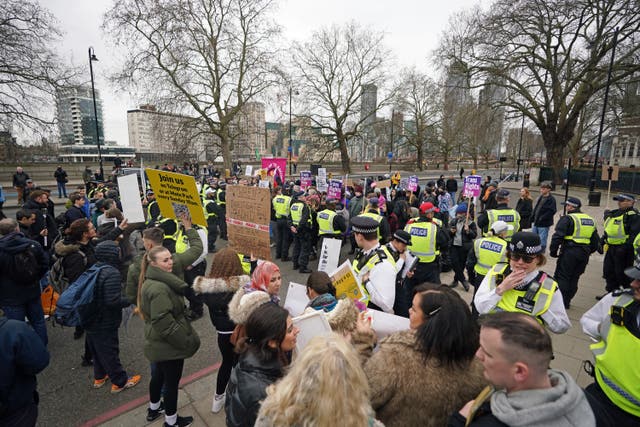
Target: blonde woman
x,y
525,208
326,386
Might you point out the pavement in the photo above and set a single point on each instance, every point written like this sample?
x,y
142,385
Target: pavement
x,y
570,349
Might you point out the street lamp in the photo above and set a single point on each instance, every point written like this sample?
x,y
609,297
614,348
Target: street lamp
x,y
290,148
92,57
391,147
520,150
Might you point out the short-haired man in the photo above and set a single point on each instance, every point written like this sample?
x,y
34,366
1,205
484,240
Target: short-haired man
x,y
515,351
25,220
543,212
76,211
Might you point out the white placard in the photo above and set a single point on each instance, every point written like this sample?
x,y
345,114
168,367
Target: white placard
x,y
296,299
311,325
322,173
263,184
386,324
329,255
248,170
130,198
321,184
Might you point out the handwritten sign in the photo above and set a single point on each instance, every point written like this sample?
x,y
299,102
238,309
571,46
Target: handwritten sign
x,y
329,254
335,189
248,215
472,186
176,193
346,282
384,184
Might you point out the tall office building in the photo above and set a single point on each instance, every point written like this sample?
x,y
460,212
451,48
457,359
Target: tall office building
x,y
249,133
76,118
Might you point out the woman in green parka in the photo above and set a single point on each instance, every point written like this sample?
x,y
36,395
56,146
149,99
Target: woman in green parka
x,y
168,335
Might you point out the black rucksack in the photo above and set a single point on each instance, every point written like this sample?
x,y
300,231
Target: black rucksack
x,y
25,266
57,278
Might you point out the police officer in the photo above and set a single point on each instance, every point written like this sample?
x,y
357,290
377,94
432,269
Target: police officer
x,y
519,286
153,210
330,224
281,203
222,209
576,238
374,265
398,249
300,224
615,323
502,212
487,252
621,227
427,239
210,209
372,211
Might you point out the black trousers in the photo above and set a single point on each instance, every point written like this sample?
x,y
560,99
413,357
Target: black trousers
x,y
23,417
617,259
164,381
424,272
571,264
283,238
212,233
222,222
606,412
301,248
403,299
105,348
458,257
195,301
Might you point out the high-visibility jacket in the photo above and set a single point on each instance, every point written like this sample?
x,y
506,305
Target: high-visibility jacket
x,y
510,216
281,205
296,213
203,190
617,369
375,216
218,200
423,240
437,221
614,228
245,261
489,251
325,222
149,215
182,240
583,227
205,205
360,266
534,300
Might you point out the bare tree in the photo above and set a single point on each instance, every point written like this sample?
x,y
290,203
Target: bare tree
x,y
209,57
332,68
420,100
551,56
30,70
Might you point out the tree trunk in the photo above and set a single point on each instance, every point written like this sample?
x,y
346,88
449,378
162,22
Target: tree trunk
x,y
344,156
555,151
226,152
420,157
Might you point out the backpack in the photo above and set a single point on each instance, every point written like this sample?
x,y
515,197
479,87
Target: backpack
x,y
56,276
74,306
25,267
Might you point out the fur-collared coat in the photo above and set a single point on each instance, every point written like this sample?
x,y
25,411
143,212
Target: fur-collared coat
x,y
217,293
244,303
406,391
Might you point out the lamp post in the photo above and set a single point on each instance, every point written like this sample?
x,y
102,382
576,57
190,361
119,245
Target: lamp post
x,y
92,57
290,148
520,150
592,183
391,145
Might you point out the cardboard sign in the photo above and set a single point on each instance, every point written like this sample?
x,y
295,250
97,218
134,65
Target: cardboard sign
x,y
384,184
130,198
248,216
472,186
329,255
335,190
346,282
305,179
615,170
413,183
311,325
176,194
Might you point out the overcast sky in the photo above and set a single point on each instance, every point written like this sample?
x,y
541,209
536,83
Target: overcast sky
x,y
412,29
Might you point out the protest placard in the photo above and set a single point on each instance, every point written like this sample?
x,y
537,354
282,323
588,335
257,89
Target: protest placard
x,y
296,299
322,173
176,194
248,216
404,183
130,198
329,255
346,282
248,170
305,179
413,183
472,186
275,166
335,190
263,184
311,325
321,185
384,183
386,323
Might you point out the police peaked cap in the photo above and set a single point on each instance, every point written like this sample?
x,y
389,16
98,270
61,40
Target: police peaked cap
x,y
402,236
624,196
572,201
525,243
364,225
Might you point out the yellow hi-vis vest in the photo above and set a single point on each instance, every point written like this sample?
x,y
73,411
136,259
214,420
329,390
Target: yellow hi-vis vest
x,y
281,206
148,220
583,227
510,216
246,264
203,190
614,227
423,240
437,221
534,300
617,368
489,251
375,216
218,201
173,236
325,222
636,245
374,258
296,213
208,214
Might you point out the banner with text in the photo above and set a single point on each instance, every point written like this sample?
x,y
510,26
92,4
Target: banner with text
x,y
346,282
248,216
413,183
305,179
329,255
275,166
176,194
472,186
335,189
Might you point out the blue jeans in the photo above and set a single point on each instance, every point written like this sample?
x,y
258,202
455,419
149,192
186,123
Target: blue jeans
x,y
453,197
543,232
62,189
32,310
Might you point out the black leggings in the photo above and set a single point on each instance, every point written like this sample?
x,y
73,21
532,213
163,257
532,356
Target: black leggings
x,y
228,360
167,374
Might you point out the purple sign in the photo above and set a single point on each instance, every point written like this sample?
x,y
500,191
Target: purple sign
x,y
335,189
472,186
413,183
305,179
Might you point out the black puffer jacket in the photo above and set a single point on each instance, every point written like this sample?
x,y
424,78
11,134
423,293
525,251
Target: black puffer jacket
x,y
108,300
248,387
12,290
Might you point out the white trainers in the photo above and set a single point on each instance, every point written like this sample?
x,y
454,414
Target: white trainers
x,y
218,403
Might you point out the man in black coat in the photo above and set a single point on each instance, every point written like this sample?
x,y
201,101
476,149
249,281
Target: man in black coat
x,y
20,295
19,182
38,203
61,179
452,188
543,212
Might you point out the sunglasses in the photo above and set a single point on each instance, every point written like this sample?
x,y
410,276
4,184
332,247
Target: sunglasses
x,y
526,258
